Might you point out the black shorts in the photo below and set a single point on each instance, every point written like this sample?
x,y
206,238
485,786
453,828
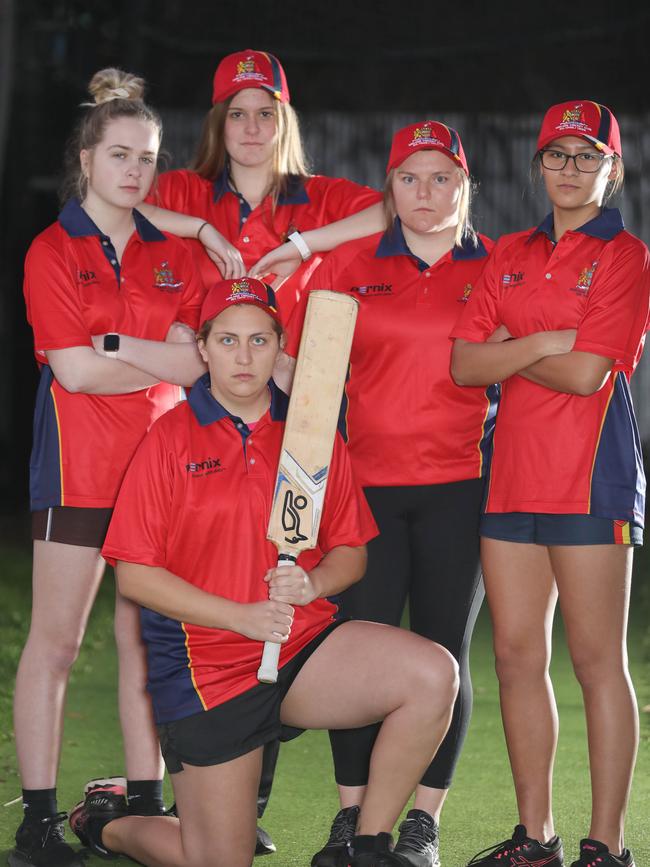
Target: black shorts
x,y
71,525
545,529
240,724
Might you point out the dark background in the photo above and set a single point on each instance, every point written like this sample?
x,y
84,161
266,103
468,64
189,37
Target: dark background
x,y
362,58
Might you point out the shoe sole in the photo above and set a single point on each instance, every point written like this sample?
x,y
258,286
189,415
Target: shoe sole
x,y
105,781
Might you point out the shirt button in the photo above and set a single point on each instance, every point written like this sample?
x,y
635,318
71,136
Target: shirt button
x,y
245,239
252,460
427,273
105,243
548,276
239,426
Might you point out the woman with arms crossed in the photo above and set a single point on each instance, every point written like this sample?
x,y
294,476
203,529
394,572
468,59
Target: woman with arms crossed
x,y
189,537
102,267
418,444
566,491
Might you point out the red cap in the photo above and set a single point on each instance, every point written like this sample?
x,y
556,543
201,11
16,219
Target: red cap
x,y
246,290
249,69
427,135
585,119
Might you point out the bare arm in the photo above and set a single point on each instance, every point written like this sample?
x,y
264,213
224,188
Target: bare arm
x,y
580,373
485,363
285,259
81,369
176,360
225,256
339,568
156,588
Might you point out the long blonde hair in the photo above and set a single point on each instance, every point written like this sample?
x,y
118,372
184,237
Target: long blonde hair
x,y
288,159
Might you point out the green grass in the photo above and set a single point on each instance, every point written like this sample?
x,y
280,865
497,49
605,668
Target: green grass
x,y
480,808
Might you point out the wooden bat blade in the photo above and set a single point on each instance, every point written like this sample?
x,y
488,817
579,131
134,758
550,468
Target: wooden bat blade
x,y
311,421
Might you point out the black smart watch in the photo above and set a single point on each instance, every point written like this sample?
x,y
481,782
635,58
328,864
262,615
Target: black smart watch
x,y
111,343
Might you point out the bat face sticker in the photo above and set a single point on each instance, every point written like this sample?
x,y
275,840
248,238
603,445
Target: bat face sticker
x,y
291,508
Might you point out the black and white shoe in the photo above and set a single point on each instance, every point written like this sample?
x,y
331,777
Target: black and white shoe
x,y
336,852
521,849
41,843
264,845
102,804
375,851
418,840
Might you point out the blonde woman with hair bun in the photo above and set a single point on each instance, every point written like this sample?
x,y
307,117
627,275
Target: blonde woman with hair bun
x,y
113,303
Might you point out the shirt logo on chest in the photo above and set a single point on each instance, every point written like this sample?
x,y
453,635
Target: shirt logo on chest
x,y
467,291
515,278
87,277
199,469
374,289
585,278
163,279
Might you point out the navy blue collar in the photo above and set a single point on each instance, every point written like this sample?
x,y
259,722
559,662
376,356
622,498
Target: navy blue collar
x,y
605,226
296,192
393,243
78,224
207,409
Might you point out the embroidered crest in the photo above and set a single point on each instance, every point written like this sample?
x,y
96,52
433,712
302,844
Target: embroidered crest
x,y
163,278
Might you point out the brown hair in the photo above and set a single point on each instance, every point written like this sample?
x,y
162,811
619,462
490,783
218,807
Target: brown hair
x,y
613,188
465,231
289,158
115,94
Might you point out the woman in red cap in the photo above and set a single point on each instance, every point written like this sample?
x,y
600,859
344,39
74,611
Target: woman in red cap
x,y
249,180
566,491
188,535
419,445
102,267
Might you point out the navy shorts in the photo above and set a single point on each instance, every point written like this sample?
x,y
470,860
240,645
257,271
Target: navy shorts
x,y
239,725
544,529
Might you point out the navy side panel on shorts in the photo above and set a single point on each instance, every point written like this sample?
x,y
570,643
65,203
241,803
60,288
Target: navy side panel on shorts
x,y
45,461
618,482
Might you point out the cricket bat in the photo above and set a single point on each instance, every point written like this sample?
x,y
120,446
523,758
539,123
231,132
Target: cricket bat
x,y
309,434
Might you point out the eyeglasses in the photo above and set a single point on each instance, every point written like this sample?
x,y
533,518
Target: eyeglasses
x,y
584,162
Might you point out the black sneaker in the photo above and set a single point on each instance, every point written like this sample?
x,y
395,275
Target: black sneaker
x,y
593,853
375,851
418,840
264,845
102,804
524,851
41,843
148,809
336,852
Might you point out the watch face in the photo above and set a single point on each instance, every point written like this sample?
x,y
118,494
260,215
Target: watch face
x,y
111,342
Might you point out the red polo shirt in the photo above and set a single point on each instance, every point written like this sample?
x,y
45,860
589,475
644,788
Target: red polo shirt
x,y
556,452
316,202
75,288
408,423
196,500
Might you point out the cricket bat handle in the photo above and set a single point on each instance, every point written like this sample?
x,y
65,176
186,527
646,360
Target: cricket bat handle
x,y
268,670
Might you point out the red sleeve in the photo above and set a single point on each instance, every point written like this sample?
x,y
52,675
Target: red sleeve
x,y
347,519
194,291
618,309
140,524
172,192
52,298
341,198
481,315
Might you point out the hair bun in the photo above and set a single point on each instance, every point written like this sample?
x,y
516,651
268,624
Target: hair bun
x,y
111,83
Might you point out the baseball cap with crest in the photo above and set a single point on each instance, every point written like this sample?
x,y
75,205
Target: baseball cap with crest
x,y
585,119
245,290
249,68
427,135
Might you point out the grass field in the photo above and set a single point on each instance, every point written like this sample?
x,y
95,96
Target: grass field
x,y
480,808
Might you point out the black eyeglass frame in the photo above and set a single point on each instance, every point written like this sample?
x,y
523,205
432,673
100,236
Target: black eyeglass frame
x,y
567,157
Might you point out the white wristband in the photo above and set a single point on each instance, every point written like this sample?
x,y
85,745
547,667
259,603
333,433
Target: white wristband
x,y
301,245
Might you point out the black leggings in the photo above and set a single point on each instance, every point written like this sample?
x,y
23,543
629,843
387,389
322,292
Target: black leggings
x,y
428,550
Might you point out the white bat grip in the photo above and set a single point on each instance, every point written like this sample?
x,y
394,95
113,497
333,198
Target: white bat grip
x,y
268,670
